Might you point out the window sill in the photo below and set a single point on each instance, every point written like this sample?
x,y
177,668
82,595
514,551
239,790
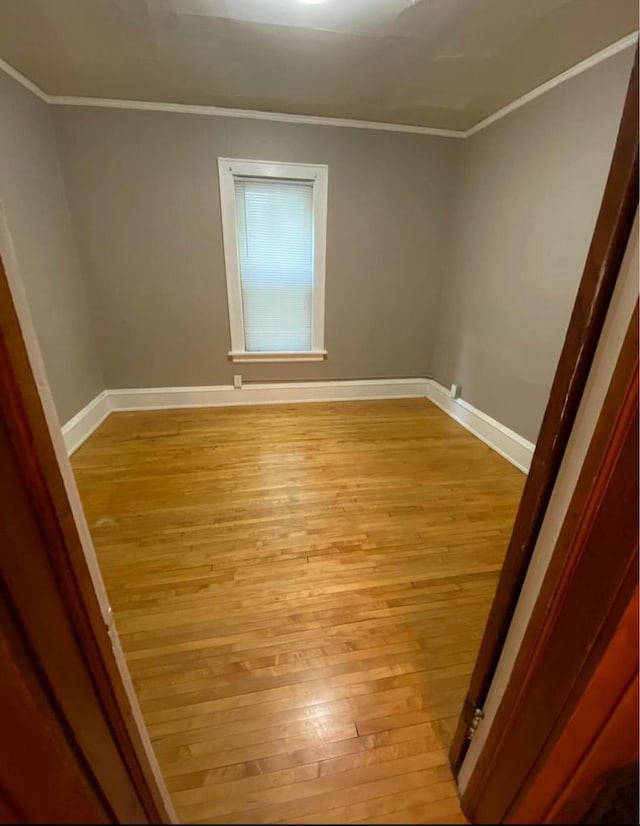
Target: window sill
x,y
311,355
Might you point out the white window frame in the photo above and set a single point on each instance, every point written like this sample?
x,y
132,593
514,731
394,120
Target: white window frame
x,y
316,173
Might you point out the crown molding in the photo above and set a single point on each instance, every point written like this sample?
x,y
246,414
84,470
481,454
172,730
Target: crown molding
x,y
312,120
8,69
598,57
253,114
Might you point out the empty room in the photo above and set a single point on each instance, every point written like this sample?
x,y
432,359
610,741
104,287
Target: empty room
x,y
308,293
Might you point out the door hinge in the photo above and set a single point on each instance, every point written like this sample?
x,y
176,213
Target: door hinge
x,y
478,714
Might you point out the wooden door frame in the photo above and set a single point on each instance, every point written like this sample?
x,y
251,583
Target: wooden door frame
x,y
601,734
590,583
34,741
51,586
608,245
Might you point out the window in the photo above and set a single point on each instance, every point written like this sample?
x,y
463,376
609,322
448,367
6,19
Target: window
x,y
274,231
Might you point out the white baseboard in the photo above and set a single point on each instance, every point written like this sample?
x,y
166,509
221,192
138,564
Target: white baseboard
x,y
503,440
506,442
276,393
81,426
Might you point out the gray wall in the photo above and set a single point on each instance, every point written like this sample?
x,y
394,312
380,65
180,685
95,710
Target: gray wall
x,y
143,189
459,259
34,201
528,193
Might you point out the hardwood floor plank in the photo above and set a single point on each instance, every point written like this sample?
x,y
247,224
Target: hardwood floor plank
x,y
408,657
439,811
437,778
300,591
312,779
438,794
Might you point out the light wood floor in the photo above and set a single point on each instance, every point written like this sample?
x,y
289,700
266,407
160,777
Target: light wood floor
x,y
300,592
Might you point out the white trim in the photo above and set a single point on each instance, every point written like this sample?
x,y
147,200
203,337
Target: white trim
x,y
313,120
318,174
272,169
311,355
230,249
78,429
8,69
160,398
598,57
503,440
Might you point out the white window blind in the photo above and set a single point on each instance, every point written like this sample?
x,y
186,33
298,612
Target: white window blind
x,y
275,228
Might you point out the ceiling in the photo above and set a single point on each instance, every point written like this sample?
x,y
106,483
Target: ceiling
x,y
444,64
